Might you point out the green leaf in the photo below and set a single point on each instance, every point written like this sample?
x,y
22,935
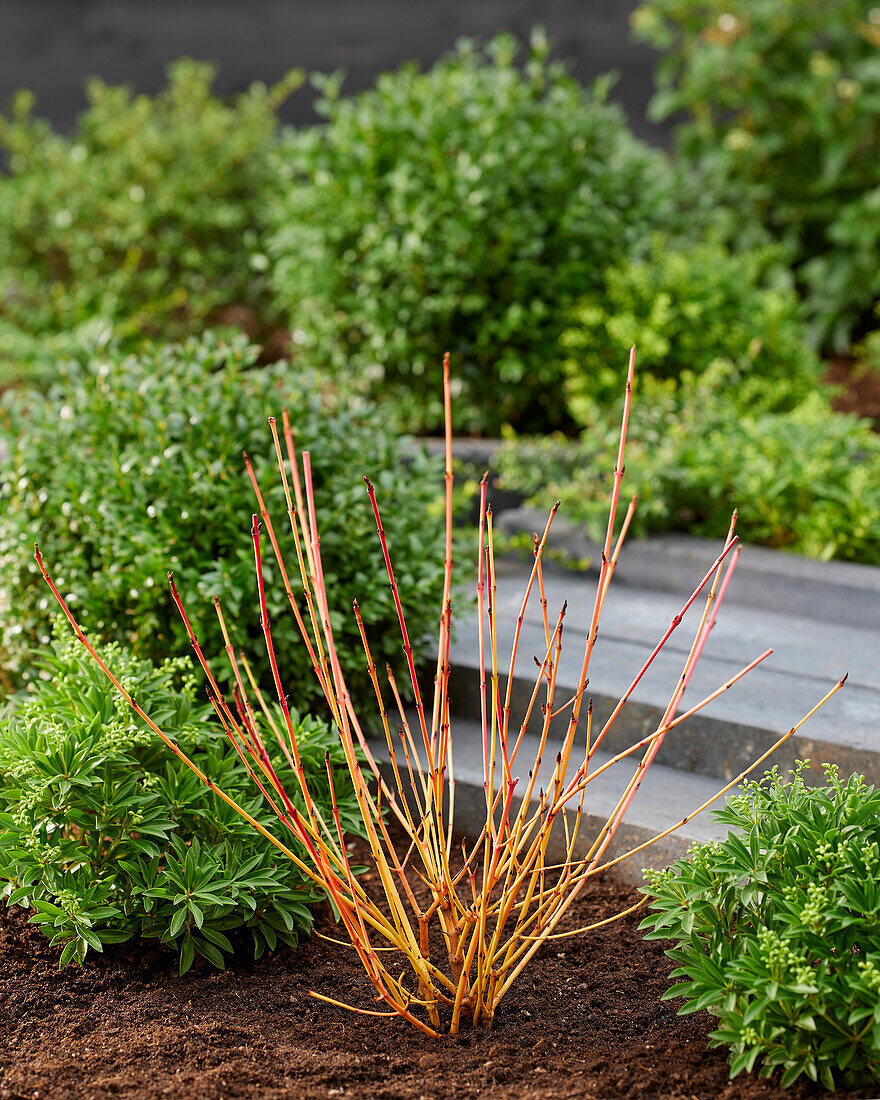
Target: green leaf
x,y
210,952
102,912
681,989
187,953
71,953
792,1073
217,938
91,938
114,935
178,921
46,907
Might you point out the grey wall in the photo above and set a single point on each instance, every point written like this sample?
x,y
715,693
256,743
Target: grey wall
x,y
51,45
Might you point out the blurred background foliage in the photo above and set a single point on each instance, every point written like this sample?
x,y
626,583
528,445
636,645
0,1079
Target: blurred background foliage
x,y
489,205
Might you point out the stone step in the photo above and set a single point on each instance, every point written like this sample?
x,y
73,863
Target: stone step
x,y
822,620
665,796
770,580
810,656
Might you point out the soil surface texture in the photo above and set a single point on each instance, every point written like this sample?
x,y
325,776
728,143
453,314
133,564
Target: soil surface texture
x,y
859,389
585,1021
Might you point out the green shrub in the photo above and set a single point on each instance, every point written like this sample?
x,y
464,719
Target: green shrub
x,y
775,929
460,210
783,100
146,216
685,309
105,834
807,479
132,466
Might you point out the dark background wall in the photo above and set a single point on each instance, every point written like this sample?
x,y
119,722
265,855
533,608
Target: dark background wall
x,y
50,46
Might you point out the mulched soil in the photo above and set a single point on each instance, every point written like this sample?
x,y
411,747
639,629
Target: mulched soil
x,y
860,389
586,1021
275,342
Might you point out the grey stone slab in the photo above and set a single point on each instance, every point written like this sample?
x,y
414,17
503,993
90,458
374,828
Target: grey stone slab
x,y
836,592
721,740
473,451
801,645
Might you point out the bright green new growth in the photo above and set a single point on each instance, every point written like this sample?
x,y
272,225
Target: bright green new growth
x,y
132,465
782,99
805,479
464,208
147,216
776,929
688,309
729,417
106,835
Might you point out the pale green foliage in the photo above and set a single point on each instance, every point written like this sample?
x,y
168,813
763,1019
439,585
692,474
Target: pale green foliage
x,y
687,309
775,929
146,216
805,479
105,834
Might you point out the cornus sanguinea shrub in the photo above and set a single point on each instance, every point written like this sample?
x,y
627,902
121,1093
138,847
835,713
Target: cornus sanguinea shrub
x,y
105,834
775,929
456,954
132,464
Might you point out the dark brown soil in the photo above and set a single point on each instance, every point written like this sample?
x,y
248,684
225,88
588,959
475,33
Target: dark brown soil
x,y
586,1021
274,340
859,389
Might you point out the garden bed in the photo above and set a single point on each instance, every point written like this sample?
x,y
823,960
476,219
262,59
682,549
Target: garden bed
x,y
585,1021
860,389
